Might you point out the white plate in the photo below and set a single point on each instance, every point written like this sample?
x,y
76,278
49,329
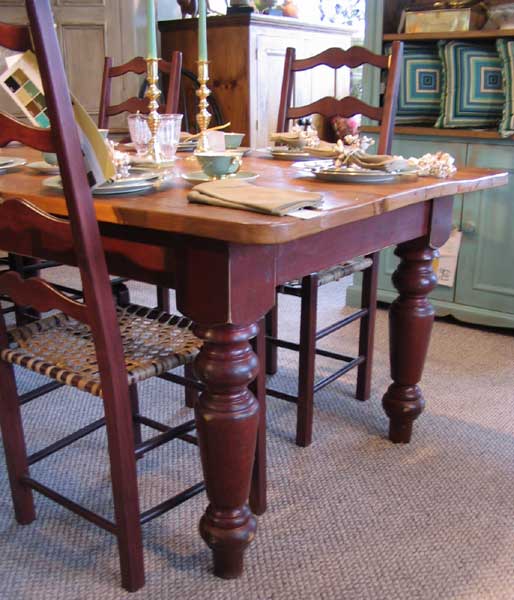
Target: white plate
x,y
354,176
108,189
11,162
43,167
139,161
201,177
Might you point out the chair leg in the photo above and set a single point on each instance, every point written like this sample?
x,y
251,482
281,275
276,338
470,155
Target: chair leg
x,y
121,293
134,406
307,360
258,386
120,436
271,326
163,298
14,445
190,393
367,329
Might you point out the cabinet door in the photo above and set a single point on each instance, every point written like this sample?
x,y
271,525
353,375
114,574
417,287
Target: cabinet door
x,y
87,30
485,276
406,147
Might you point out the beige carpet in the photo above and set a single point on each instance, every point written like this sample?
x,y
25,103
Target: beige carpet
x,y
353,517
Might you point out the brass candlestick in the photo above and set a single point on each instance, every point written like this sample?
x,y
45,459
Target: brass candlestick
x,y
203,117
153,93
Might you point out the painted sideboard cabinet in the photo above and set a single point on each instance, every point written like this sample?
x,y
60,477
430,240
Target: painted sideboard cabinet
x,y
483,292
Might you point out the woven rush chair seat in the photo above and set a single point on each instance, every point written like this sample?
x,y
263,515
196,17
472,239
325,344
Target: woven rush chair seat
x,y
62,348
331,274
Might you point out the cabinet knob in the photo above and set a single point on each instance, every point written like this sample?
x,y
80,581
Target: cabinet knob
x,y
469,227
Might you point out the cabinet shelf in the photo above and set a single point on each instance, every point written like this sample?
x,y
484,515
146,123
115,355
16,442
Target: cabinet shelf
x,y
482,134
450,35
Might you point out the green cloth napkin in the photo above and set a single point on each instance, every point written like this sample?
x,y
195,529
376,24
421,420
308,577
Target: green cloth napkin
x,y
231,193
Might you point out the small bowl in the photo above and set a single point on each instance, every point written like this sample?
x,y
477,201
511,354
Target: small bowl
x,y
233,140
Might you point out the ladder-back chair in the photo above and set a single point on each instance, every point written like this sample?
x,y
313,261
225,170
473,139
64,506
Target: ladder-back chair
x,y
137,65
91,345
307,288
171,69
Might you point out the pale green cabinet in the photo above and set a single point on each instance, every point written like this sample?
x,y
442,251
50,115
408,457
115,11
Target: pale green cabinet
x,y
484,287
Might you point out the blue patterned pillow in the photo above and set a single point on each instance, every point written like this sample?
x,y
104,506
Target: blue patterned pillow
x,y
506,52
472,85
419,98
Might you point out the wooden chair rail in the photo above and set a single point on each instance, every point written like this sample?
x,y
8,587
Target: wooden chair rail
x,y
35,137
337,57
40,295
137,65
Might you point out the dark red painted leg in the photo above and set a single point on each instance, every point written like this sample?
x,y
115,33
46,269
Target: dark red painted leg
x,y
367,329
258,387
190,393
14,445
227,419
410,321
163,298
307,360
134,405
272,331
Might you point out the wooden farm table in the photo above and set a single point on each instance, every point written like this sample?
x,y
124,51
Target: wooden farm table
x,y
225,265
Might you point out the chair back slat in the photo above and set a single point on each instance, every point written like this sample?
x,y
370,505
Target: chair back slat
x,y
19,219
337,57
40,295
330,107
138,66
348,106
15,37
35,137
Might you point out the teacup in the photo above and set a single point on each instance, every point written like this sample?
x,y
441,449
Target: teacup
x,y
50,158
233,140
219,164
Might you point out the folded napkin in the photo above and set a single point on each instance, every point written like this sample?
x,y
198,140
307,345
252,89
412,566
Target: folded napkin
x,y
381,162
324,150
243,195
294,139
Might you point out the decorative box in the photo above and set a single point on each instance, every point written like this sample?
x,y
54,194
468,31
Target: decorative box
x,y
453,19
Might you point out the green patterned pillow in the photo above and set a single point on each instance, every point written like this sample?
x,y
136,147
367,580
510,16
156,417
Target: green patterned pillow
x,y
506,52
472,85
419,97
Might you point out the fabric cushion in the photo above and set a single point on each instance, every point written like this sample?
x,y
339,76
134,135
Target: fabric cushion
x,y
506,51
419,98
472,85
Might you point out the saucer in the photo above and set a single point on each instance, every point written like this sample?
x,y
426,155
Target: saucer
x,y
11,162
201,177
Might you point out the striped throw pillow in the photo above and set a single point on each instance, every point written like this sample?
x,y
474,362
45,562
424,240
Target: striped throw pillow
x,y
473,93
419,97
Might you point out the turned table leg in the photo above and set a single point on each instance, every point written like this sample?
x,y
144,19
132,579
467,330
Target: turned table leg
x,y
227,418
410,322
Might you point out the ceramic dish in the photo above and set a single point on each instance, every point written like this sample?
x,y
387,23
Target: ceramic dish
x,y
354,176
129,186
43,167
201,177
243,150
10,162
186,146
284,153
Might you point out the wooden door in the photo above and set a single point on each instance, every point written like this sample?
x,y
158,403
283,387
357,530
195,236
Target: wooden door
x,y
87,30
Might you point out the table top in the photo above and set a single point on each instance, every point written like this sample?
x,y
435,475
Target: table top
x,y
168,209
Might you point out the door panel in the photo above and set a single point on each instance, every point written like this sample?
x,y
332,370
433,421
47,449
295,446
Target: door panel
x,y
87,30
485,276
